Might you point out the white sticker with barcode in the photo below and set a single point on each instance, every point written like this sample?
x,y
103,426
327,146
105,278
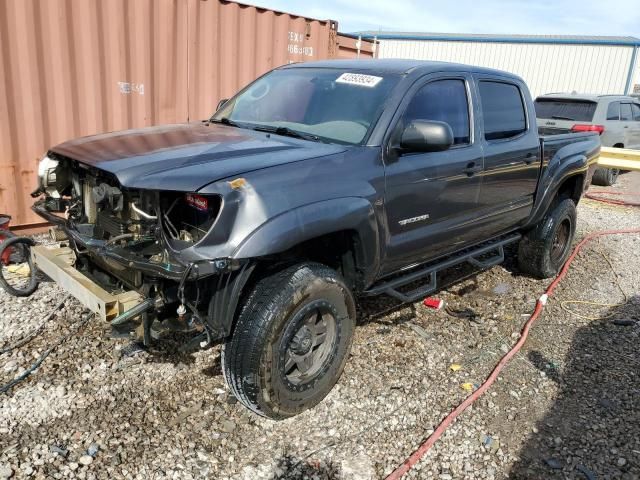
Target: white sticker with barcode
x,y
359,79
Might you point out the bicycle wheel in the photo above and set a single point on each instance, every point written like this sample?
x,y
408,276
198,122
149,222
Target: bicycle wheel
x,y
17,272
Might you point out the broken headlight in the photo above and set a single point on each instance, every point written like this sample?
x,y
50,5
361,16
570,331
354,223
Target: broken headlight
x,y
188,217
47,177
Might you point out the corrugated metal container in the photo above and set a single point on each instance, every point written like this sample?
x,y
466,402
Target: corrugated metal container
x,y
70,68
546,67
353,46
231,44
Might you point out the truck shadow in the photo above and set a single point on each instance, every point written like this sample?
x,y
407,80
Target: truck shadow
x,y
593,428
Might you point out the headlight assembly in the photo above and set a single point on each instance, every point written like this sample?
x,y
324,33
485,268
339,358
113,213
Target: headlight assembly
x,y
47,176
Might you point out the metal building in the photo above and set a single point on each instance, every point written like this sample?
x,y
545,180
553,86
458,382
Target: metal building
x,y
548,63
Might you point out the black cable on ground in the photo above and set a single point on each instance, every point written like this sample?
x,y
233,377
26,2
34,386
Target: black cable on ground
x,y
5,388
27,338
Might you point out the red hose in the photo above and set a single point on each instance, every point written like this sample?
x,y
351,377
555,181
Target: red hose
x,y
597,195
444,424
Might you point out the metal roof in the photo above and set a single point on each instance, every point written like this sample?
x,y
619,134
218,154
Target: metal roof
x,y
582,97
492,38
397,65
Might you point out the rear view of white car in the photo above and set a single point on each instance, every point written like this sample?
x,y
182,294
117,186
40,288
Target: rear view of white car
x,y
615,117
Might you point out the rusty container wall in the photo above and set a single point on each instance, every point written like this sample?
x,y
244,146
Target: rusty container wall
x,y
231,44
70,68
78,67
348,47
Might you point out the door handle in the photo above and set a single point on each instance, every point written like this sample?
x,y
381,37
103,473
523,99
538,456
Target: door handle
x,y
530,158
471,169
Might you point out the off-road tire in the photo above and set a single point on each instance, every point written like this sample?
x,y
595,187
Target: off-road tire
x,y
254,357
605,177
23,244
538,254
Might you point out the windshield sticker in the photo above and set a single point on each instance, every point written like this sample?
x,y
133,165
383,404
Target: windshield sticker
x,y
359,79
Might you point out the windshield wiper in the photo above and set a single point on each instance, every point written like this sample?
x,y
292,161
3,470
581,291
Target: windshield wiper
x,y
287,132
560,117
226,121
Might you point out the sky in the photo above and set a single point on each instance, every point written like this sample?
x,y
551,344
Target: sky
x,y
543,17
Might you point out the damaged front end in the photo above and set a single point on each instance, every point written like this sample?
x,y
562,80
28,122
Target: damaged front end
x,y
132,254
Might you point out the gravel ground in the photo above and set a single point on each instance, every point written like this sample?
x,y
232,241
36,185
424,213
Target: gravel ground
x,y
566,407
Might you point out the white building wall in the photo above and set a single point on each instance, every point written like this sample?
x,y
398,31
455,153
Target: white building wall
x,y
547,68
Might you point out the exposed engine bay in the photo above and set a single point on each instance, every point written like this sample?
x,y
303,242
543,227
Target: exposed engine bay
x,y
131,239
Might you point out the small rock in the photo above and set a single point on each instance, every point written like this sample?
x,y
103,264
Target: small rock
x,y
553,463
587,473
228,426
10,366
93,449
85,460
6,471
622,462
557,441
73,466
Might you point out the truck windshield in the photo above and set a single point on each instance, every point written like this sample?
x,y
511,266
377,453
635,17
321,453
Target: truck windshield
x,y
315,103
562,109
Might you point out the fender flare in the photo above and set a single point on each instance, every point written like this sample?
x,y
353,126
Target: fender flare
x,y
310,221
552,179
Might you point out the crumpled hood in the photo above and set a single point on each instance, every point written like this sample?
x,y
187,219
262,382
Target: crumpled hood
x,y
186,157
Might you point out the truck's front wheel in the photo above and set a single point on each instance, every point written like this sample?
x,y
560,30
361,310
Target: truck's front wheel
x,y
291,340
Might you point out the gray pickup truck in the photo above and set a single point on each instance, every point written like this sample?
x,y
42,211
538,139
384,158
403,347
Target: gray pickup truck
x,y
316,184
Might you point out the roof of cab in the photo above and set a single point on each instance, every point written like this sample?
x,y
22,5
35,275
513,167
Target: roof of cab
x,y
398,66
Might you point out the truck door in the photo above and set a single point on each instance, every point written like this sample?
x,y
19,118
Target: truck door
x,y
431,198
511,153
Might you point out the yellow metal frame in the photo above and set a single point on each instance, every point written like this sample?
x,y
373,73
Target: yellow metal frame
x,y
620,158
58,263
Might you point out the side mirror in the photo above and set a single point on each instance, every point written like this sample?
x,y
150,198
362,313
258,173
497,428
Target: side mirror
x,y
221,103
426,136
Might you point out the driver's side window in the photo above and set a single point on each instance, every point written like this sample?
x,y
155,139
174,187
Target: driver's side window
x,y
443,101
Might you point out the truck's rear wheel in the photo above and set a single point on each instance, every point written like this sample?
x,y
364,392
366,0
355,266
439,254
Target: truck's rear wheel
x,y
291,340
605,177
544,249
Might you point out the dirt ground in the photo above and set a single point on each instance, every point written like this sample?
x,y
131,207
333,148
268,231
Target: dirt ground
x,y
566,407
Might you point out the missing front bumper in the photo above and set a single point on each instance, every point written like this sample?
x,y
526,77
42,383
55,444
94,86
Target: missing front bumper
x,y
58,263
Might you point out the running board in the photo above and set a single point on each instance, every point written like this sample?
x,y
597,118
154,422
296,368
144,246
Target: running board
x,y
469,256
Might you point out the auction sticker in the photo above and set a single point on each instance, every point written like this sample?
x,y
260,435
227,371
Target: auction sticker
x,y
359,79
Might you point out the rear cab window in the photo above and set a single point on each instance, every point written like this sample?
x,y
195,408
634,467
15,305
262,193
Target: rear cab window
x,y
636,112
563,109
502,109
626,114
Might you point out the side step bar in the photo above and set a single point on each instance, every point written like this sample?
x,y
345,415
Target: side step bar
x,y
470,256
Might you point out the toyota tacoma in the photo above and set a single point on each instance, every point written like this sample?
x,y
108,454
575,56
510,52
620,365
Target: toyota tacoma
x,y
316,184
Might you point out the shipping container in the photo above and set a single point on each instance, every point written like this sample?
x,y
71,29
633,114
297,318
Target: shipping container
x,y
354,46
70,68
